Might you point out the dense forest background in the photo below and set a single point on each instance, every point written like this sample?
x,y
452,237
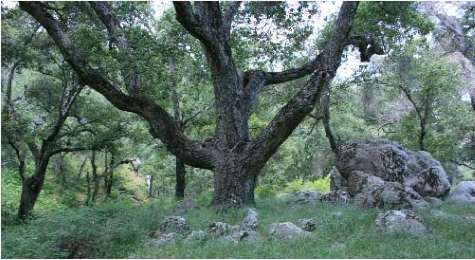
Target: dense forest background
x,y
413,84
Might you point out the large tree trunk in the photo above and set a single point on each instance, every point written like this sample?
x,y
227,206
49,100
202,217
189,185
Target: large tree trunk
x,y
180,172
233,189
234,182
31,188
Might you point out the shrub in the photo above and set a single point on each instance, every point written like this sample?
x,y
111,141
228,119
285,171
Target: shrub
x,y
266,191
321,185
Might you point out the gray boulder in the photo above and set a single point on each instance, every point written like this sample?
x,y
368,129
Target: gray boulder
x,y
307,224
307,197
173,224
370,162
464,193
250,221
217,229
285,231
388,195
401,221
336,196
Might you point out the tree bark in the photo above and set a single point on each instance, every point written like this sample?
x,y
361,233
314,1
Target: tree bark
x,y
150,186
233,187
31,188
88,188
95,177
180,172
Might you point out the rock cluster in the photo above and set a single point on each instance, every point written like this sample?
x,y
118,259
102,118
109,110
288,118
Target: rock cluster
x,y
381,173
173,224
175,227
169,228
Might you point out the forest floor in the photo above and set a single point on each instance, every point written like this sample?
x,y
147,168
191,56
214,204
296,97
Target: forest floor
x,y
121,229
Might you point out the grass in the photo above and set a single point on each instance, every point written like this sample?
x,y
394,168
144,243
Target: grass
x,y
121,230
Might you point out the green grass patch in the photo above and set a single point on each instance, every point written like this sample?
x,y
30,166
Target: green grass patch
x,y
121,229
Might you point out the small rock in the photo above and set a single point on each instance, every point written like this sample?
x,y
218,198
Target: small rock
x,y
401,221
173,224
285,231
164,239
338,196
196,235
217,229
250,221
307,224
307,197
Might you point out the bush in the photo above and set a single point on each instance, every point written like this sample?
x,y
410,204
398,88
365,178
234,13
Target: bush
x,y
266,191
321,185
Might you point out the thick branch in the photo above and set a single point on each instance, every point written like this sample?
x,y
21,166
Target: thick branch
x,y
117,36
68,150
188,19
228,16
105,14
162,124
21,161
367,44
290,116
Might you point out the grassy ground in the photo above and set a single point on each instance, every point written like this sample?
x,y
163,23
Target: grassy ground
x,y
121,230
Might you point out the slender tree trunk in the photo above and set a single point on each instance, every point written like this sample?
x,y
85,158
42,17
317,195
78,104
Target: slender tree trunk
x,y
95,177
180,172
88,188
31,188
422,135
8,91
326,121
81,168
150,186
108,174
62,171
109,184
472,98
